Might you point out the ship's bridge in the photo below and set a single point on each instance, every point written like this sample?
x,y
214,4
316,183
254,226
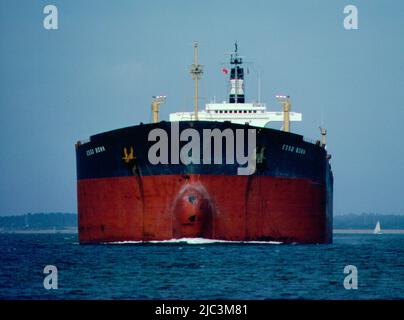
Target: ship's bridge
x,y
254,114
236,110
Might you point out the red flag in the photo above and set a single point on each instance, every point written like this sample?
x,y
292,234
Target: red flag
x,y
225,71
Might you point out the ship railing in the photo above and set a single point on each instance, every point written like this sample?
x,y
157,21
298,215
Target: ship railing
x,y
184,116
309,140
83,141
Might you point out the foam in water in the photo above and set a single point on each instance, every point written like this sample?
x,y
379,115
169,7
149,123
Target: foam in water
x,y
194,241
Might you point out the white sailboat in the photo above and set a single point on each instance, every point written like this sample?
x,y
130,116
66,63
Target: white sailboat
x,y
377,230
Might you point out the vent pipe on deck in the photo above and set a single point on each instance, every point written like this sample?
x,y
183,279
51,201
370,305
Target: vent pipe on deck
x,y
155,107
285,102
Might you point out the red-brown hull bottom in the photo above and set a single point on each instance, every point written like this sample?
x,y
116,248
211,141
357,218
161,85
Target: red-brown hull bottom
x,y
214,207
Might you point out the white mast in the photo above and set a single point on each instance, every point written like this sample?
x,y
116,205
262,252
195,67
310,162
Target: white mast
x,y
196,72
259,86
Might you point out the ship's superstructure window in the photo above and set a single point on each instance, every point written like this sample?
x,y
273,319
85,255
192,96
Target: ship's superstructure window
x,y
237,73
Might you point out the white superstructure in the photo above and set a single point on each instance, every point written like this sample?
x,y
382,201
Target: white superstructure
x,y
254,114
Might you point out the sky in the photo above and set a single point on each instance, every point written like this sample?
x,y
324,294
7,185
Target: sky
x,y
98,71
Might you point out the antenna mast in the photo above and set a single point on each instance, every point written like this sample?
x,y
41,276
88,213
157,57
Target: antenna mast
x,y
196,72
259,86
323,132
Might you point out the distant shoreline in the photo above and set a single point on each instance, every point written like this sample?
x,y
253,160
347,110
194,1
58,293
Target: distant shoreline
x,y
367,231
73,230
67,230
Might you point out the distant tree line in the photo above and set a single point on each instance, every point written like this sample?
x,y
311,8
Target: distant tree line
x,y
39,221
368,221
65,220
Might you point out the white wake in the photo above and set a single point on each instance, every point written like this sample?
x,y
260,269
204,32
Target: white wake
x,y
193,241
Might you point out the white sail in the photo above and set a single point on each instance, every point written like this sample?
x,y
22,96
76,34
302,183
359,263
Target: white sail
x,y
377,228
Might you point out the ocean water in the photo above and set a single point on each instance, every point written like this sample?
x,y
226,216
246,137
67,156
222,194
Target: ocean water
x,y
201,269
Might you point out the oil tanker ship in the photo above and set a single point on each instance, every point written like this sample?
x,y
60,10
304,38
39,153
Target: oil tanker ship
x,y
220,173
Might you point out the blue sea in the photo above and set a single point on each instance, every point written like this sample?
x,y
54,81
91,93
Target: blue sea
x,y
201,269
